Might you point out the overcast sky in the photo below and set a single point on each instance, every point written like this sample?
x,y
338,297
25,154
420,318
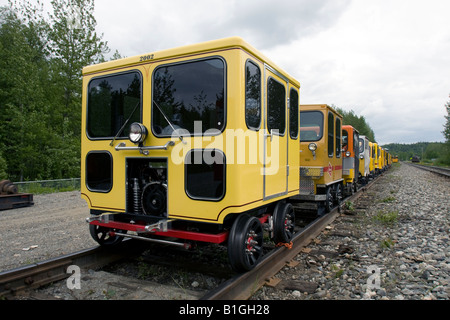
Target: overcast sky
x,y
388,60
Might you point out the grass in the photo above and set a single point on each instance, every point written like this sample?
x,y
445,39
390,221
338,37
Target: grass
x,y
50,186
338,272
388,199
109,294
146,271
387,243
350,206
388,219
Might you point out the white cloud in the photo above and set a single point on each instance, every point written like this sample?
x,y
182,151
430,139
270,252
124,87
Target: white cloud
x,y
386,60
166,24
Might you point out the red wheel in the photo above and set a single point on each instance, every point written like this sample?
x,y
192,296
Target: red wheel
x,y
283,222
245,243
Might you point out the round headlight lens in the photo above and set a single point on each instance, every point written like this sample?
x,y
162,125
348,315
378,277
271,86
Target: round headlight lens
x,y
347,153
312,147
138,132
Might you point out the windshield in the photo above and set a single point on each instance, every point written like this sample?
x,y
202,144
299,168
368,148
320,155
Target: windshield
x,y
311,125
361,145
111,101
191,95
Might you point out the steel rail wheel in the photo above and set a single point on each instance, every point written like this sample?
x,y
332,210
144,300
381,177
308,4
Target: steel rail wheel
x,y
338,194
245,243
329,200
283,222
103,237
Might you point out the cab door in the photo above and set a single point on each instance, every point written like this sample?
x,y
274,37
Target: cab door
x,y
356,153
275,168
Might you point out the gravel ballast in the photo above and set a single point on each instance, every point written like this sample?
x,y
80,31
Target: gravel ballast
x,y
393,245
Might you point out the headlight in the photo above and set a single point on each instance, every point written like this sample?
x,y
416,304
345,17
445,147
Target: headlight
x,y
138,132
312,147
348,153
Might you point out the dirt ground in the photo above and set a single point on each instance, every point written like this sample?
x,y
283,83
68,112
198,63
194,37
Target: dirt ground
x,y
53,226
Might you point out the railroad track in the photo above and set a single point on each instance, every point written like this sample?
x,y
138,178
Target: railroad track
x,y
15,281
237,287
241,287
445,172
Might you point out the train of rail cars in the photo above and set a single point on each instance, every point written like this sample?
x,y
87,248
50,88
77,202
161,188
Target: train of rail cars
x,y
209,143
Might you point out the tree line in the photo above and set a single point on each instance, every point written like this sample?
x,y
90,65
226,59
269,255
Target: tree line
x,y
357,122
41,58
437,153
430,152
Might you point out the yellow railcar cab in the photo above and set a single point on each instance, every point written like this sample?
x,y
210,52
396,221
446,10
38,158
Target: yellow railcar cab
x,y
350,161
372,159
321,156
376,157
189,139
381,159
364,159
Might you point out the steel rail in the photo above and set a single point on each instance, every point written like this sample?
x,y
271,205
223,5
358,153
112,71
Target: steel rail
x,y
39,274
445,172
243,286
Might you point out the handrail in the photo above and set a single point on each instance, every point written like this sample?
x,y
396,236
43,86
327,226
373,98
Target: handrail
x,y
144,149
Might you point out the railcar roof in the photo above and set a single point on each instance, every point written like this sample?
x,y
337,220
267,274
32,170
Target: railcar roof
x,y
318,107
347,126
199,48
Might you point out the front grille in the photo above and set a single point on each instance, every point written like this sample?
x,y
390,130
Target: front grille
x,y
311,172
306,186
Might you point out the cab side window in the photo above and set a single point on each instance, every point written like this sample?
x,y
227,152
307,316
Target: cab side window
x,y
330,134
252,95
276,107
338,137
293,114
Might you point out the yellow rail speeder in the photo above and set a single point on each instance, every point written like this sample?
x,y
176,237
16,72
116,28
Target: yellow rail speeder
x,y
197,143
364,160
350,161
321,180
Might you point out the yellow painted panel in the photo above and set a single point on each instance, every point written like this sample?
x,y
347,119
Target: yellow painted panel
x,y
243,148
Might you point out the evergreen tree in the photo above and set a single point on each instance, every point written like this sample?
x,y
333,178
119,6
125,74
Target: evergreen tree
x,y
41,60
22,116
445,159
446,131
73,44
357,122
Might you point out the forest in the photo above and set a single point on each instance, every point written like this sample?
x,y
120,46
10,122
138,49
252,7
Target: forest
x,y
357,122
41,57
436,153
